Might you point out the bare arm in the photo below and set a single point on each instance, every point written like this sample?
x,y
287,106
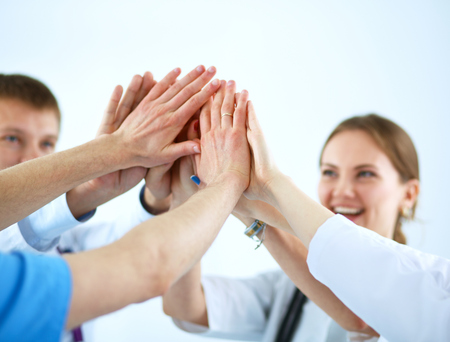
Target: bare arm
x,y
151,257
145,138
185,300
163,249
28,186
280,193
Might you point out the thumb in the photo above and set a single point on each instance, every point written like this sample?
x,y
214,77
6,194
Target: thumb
x,y
178,150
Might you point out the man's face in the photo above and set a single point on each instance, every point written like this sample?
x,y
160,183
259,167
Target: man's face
x,y
25,132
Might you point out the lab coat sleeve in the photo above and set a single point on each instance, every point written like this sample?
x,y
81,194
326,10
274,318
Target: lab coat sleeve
x,y
402,293
42,229
237,308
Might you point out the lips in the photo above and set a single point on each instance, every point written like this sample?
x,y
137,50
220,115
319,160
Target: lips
x,y
347,210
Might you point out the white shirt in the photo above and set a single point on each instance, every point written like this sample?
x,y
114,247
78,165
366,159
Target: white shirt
x,y
402,293
253,310
54,225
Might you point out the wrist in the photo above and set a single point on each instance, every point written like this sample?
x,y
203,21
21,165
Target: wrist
x,y
272,187
234,180
153,205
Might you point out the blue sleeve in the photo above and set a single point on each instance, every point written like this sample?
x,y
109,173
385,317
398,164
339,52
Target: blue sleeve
x,y
35,293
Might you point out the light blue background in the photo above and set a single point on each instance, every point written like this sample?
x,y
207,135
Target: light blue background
x,y
307,66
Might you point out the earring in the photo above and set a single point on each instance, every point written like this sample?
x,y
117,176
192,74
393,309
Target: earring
x,y
406,212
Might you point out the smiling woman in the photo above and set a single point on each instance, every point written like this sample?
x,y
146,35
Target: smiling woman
x,y
370,174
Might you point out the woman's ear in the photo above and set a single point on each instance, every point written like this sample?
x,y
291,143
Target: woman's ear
x,y
412,189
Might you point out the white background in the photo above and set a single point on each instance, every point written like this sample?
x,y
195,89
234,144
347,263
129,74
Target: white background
x,y
307,65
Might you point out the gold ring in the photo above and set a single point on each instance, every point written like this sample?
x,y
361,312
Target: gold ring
x,y
225,114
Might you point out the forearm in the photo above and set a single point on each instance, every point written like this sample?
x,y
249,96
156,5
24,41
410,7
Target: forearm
x,y
151,257
37,182
290,254
83,199
154,205
185,300
303,214
262,211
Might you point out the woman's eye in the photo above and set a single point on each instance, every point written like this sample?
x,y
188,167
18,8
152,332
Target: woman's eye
x,y
366,174
328,173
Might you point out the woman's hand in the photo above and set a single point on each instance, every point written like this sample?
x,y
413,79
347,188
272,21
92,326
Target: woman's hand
x,y
263,169
225,151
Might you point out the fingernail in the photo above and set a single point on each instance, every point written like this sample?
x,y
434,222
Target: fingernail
x,y
176,70
196,126
244,92
200,68
215,82
196,149
195,179
212,69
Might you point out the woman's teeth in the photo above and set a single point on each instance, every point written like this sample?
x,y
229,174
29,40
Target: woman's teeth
x,y
347,211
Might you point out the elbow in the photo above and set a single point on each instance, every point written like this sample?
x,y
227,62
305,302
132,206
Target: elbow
x,y
358,325
157,275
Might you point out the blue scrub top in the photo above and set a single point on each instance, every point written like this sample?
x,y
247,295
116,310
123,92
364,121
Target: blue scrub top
x,y
35,293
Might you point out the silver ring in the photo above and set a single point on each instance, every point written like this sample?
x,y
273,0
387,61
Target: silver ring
x,y
225,114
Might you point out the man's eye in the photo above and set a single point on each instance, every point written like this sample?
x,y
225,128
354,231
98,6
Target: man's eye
x,y
12,138
48,144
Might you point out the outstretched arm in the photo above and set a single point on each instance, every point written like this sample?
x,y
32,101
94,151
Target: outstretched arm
x,y
289,251
145,138
185,300
148,260
88,196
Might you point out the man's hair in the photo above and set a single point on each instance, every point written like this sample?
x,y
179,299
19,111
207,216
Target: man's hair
x,y
29,91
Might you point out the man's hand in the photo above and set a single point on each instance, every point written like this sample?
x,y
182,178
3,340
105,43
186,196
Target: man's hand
x,y
149,132
89,195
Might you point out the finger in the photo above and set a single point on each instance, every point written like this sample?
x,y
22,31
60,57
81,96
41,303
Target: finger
x,y
252,121
128,100
192,132
189,90
163,85
205,117
147,84
196,102
240,113
217,105
110,111
227,109
236,98
178,150
181,84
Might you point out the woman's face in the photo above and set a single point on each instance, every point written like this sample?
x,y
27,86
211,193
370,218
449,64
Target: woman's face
x,y
359,181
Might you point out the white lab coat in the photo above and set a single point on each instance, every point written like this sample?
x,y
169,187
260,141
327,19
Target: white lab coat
x,y
402,293
54,225
253,309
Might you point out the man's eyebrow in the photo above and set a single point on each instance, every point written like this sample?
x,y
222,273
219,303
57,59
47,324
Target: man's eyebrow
x,y
11,129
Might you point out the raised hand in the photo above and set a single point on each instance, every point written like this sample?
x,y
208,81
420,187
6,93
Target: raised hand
x,y
263,169
159,178
225,150
149,132
89,195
